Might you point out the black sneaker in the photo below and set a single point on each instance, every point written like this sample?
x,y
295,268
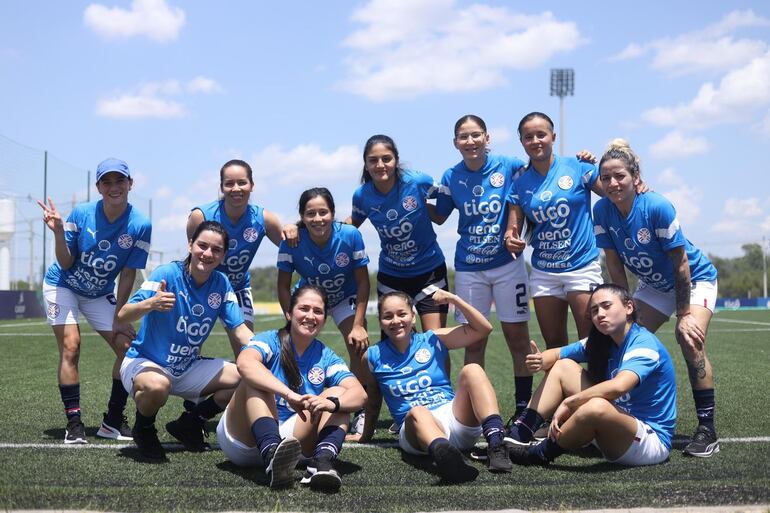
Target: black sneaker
x,y
521,455
281,462
321,476
704,443
146,440
75,432
451,464
188,429
541,433
498,460
115,428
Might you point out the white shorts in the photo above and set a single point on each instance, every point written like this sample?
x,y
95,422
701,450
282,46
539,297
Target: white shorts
x,y
63,306
235,450
461,436
246,302
646,449
188,386
507,285
585,279
344,309
702,293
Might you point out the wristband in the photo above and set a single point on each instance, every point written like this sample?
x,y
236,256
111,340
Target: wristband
x,y
336,402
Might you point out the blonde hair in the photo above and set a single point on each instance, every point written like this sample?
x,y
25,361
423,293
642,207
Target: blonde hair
x,y
621,150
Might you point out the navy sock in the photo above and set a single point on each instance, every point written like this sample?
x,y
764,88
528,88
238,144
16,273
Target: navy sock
x,y
143,421
547,450
207,409
330,440
705,404
118,397
523,391
493,429
433,444
70,396
525,426
188,405
265,431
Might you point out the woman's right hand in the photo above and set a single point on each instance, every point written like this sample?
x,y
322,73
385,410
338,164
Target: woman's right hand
x,y
513,243
162,301
290,233
51,216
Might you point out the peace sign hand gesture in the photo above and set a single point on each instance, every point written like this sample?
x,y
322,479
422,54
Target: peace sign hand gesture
x,y
51,216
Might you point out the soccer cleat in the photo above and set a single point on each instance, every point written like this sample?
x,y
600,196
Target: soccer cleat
x,y
357,426
541,433
321,476
188,429
394,429
498,460
146,440
704,443
282,460
521,455
115,428
518,434
75,432
451,464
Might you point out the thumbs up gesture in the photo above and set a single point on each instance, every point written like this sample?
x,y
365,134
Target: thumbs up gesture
x,y
163,301
534,358
513,242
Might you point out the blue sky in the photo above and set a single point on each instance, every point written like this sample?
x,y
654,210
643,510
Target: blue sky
x,y
295,88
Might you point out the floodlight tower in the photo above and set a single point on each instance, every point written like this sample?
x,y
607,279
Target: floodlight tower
x,y
562,84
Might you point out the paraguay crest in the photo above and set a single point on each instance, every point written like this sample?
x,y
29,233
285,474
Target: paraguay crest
x,y
342,259
125,241
643,236
316,375
422,355
409,203
215,299
497,179
250,234
565,183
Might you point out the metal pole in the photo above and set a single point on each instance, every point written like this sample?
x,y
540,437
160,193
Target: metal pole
x,y
31,254
88,186
764,266
561,125
45,198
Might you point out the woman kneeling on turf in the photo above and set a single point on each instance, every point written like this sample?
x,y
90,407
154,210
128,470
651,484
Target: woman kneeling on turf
x,y
295,397
181,302
409,369
625,402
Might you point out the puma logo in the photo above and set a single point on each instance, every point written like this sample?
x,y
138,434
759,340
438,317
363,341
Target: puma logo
x,y
92,232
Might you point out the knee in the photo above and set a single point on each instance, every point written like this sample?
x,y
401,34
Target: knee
x,y
471,373
71,347
416,414
565,366
594,410
152,384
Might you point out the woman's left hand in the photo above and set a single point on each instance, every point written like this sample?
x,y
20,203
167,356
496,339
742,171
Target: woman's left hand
x,y
560,416
317,404
688,332
443,297
290,233
586,156
359,339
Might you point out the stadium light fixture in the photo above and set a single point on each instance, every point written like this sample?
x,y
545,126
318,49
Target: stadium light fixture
x,y
562,84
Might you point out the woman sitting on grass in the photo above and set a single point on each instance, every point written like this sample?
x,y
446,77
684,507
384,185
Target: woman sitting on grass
x,y
295,397
625,402
409,370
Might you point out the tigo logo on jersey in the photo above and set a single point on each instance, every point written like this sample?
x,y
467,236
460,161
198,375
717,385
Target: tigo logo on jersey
x,y
53,311
125,241
316,375
215,299
422,355
497,179
409,203
342,259
565,183
198,310
104,245
250,234
643,236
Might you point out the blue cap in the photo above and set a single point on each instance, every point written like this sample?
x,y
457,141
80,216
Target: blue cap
x,y
110,166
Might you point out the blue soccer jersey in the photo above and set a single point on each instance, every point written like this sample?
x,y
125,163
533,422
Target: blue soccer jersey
x,y
245,238
417,377
480,198
173,339
330,267
101,249
319,367
644,237
558,210
653,400
408,244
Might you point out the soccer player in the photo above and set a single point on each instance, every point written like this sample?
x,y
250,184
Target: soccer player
x,y
99,242
643,232
408,369
180,303
625,402
246,225
295,397
477,187
332,256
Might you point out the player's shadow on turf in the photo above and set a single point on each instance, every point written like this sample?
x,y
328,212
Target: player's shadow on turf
x,y
257,474
132,453
680,441
425,464
58,433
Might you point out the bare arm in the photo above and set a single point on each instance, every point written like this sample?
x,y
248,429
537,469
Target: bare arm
x,y
358,337
284,290
54,222
125,286
511,238
463,335
435,216
537,361
256,375
273,227
162,301
352,399
349,220
615,268
195,218
372,406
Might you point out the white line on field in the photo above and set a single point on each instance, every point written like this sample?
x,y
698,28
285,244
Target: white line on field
x,y
738,321
380,445
15,325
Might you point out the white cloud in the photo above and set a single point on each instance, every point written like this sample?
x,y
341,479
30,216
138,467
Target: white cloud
x,y
676,144
739,95
742,217
152,99
685,198
299,164
163,192
151,18
746,207
499,135
712,49
764,126
408,48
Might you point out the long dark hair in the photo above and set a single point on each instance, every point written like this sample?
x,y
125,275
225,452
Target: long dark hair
x,y
598,344
212,226
314,193
289,363
390,144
